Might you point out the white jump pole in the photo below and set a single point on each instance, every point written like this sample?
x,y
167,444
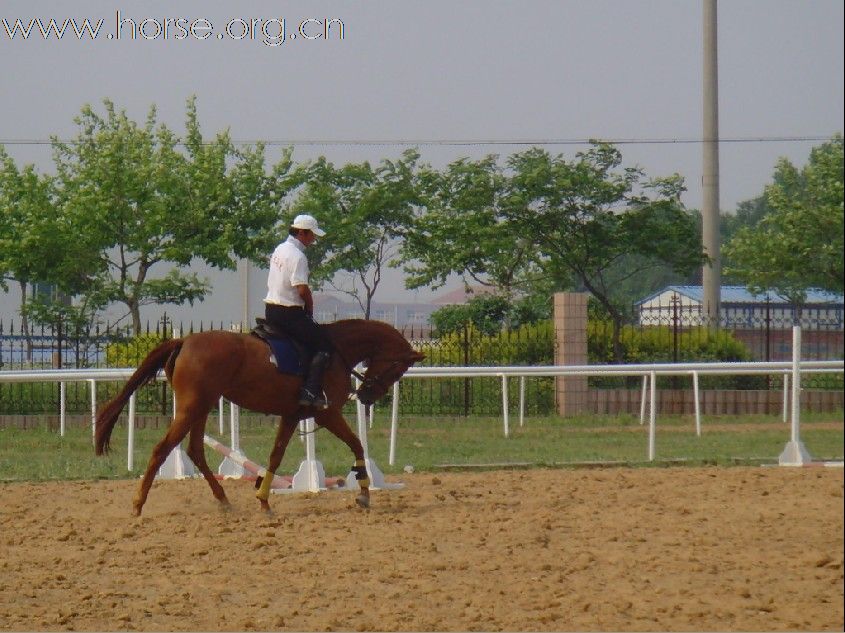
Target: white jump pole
x,y
220,414
234,426
795,453
232,464
652,422
311,477
62,407
177,465
394,423
376,475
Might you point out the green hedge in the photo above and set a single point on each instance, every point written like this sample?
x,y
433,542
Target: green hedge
x,y
657,344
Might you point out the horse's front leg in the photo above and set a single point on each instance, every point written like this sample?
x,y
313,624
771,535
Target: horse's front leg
x,y
335,422
283,435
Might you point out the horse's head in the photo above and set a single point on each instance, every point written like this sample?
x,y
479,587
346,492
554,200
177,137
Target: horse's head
x,y
382,371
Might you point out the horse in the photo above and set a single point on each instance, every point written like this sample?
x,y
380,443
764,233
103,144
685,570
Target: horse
x,y
205,366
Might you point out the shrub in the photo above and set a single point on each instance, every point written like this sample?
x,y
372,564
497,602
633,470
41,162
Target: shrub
x,y
130,352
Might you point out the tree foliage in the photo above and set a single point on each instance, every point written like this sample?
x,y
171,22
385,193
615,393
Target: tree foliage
x,y
586,223
365,210
799,244
491,313
144,202
39,245
463,229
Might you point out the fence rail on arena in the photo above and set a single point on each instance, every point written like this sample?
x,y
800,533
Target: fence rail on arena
x,y
647,373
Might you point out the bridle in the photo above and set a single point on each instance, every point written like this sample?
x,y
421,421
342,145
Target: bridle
x,y
368,382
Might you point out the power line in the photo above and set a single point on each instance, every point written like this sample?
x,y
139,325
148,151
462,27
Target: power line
x,y
478,142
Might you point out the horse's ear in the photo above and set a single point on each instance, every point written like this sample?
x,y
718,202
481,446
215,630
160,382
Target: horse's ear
x,y
416,357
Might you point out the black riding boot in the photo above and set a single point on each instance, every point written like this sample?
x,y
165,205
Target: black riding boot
x,y
312,392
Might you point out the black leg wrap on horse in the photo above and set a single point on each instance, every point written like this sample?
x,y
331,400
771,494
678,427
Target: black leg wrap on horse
x,y
258,481
361,475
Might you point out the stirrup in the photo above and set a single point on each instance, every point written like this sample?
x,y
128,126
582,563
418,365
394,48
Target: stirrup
x,y
308,399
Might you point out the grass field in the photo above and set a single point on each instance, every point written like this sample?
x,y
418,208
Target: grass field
x,y
429,444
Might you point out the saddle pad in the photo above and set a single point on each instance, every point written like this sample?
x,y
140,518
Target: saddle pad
x,y
285,357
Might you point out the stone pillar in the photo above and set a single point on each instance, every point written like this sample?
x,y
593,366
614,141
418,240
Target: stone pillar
x,y
570,321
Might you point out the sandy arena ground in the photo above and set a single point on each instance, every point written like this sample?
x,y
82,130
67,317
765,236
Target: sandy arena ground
x,y
669,549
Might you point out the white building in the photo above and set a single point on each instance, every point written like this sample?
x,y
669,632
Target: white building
x,y
739,308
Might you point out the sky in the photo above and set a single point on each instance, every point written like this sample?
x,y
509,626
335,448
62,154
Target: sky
x,y
453,78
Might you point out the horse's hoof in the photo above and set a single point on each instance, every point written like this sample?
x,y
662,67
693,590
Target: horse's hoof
x,y
363,501
265,507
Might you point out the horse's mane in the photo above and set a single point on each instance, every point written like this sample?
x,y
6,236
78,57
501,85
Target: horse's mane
x,y
340,330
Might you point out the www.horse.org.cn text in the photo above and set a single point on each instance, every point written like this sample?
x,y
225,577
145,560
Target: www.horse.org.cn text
x,y
267,31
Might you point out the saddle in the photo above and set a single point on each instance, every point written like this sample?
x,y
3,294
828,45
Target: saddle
x,y
289,356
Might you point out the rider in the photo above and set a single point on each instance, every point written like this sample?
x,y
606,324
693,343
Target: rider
x,y
289,304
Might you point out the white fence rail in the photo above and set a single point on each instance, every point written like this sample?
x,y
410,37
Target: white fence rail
x,y
648,372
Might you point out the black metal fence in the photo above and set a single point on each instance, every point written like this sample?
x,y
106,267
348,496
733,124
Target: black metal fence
x,y
765,328
675,334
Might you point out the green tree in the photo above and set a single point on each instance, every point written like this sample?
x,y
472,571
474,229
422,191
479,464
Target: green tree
x,y
491,313
462,228
38,245
365,210
589,215
799,244
147,204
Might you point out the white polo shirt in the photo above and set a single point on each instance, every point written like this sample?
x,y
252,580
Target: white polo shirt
x,y
288,268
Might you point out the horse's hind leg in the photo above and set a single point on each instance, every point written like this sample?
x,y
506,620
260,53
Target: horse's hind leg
x,y
283,435
196,452
335,422
175,434
179,427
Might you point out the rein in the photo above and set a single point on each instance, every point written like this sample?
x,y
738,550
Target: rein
x,y
349,366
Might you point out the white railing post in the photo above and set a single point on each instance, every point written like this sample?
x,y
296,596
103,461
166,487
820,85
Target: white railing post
x,y
643,398
785,397
795,453
506,420
62,407
697,405
130,442
652,419
394,423
93,384
522,401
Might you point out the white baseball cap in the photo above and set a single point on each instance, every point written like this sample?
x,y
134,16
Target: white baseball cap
x,y
308,223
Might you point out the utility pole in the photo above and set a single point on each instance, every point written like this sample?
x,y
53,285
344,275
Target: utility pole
x,y
712,272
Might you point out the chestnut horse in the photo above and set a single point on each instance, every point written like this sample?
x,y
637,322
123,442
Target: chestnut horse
x,y
203,367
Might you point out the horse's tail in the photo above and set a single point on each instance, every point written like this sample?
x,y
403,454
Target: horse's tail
x,y
164,354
